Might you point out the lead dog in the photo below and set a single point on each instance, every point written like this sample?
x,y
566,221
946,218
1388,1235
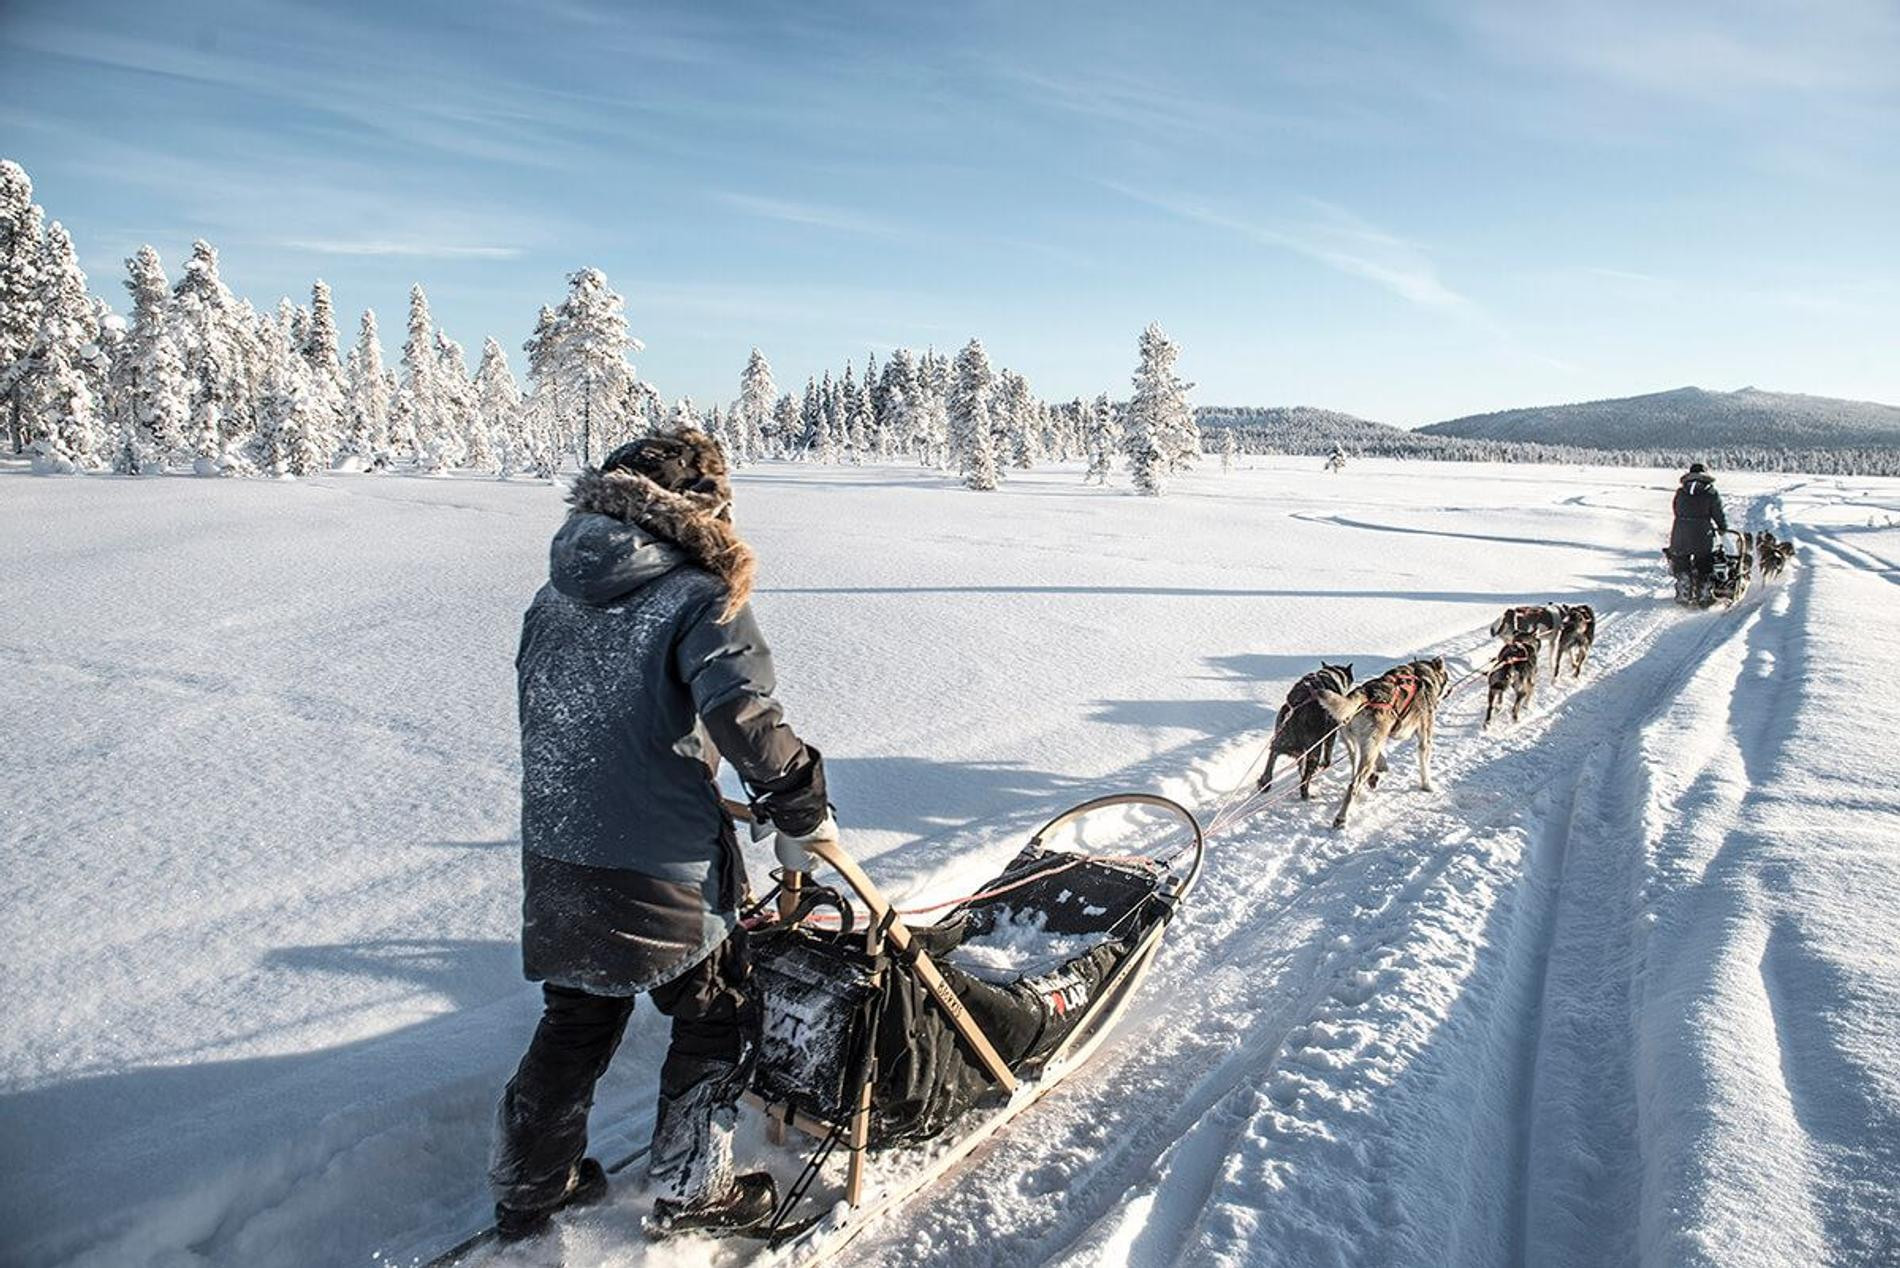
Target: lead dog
x,y
1304,730
1401,702
1515,671
1576,635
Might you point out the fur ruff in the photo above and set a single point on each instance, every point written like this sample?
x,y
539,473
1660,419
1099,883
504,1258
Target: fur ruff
x,y
689,520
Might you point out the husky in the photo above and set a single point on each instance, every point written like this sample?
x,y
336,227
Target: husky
x,y
1304,730
1775,556
1541,623
1400,702
1515,671
1576,635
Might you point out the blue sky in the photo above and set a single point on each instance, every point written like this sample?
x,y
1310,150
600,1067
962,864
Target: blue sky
x,y
1405,211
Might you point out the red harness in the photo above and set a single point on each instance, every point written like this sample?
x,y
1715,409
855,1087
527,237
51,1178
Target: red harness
x,y
1404,691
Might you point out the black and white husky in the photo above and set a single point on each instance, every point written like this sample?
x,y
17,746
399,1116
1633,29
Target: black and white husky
x,y
1576,635
1304,730
1401,702
1514,671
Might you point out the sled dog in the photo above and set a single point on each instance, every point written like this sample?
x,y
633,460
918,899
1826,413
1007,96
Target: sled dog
x,y
1401,702
1305,731
1541,623
1515,671
1576,635
1775,556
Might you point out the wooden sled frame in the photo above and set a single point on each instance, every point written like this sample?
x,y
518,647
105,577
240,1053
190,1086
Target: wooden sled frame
x,y
885,924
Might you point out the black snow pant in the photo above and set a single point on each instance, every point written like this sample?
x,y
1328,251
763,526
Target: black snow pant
x,y
541,1123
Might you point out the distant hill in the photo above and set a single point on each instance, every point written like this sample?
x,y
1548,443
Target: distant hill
x,y
1302,429
1691,418
1745,430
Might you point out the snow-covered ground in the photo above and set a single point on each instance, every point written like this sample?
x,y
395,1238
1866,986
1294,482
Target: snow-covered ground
x,y
1626,989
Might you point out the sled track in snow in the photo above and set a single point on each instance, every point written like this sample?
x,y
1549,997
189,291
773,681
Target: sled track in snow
x,y
1273,982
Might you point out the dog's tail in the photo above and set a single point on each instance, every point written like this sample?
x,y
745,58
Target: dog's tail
x,y
1342,708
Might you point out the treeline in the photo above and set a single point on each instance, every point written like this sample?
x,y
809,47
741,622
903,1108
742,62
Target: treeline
x,y
1302,430
197,378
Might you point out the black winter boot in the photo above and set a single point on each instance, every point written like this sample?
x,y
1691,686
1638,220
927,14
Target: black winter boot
x,y
587,1186
744,1209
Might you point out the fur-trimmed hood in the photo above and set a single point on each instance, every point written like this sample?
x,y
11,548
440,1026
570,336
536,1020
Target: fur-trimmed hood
x,y
626,530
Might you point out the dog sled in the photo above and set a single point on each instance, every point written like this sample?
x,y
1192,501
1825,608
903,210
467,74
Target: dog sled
x,y
897,1051
894,1050
1725,579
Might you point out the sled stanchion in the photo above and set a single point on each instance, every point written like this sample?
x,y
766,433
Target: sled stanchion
x,y
789,887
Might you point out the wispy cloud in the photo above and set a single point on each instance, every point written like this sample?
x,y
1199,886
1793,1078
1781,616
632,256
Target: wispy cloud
x,y
1338,239
424,250
1706,49
814,215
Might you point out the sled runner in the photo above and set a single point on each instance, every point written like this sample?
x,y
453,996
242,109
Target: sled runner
x,y
900,1049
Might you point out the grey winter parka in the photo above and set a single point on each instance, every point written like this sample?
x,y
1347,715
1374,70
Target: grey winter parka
x,y
1698,509
638,667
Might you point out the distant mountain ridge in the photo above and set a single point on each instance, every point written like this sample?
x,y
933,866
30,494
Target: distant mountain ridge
x,y
1690,418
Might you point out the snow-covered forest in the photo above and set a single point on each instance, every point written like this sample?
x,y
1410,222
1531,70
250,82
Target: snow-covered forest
x,y
1305,430
194,377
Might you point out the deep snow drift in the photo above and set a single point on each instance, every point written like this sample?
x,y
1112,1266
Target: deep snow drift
x,y
1624,990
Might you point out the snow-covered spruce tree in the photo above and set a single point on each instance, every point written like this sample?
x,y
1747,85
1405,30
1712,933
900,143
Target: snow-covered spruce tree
x,y
151,398
1100,437
498,411
420,407
971,431
896,397
930,417
465,441
830,421
786,427
757,397
1229,447
366,433
544,381
323,366
811,420
286,442
1060,427
1147,464
1160,403
207,328
22,265
645,411
590,345
66,389
684,417
858,421
1018,422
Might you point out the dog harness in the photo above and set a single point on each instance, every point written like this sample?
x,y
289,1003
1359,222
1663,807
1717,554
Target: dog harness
x,y
1404,685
